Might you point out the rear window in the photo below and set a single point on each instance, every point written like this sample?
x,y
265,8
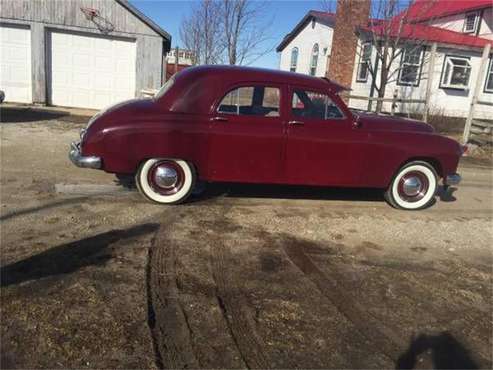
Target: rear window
x,y
252,101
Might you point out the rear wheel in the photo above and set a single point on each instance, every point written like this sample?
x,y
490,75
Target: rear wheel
x,y
413,187
165,181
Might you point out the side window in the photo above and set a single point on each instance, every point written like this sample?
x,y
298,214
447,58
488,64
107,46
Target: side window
x,y
252,101
309,104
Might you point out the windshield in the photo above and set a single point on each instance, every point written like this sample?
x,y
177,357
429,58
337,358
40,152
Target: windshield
x,y
165,88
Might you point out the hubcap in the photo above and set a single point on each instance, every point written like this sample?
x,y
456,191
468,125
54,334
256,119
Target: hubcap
x,y
413,186
166,177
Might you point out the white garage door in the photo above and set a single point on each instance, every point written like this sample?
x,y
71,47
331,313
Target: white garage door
x,y
15,64
91,71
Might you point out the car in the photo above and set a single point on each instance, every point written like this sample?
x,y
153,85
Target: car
x,y
253,125
2,96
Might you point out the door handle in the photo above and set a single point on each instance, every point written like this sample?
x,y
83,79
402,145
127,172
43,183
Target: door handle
x,y
296,123
219,119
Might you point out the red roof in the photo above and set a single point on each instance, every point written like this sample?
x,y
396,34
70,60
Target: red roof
x,y
422,10
427,33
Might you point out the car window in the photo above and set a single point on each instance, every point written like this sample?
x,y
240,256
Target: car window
x,y
310,104
252,101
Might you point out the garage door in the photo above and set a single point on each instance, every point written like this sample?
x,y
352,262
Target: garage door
x,y
15,64
91,71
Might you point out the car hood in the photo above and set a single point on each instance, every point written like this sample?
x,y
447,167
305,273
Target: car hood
x,y
374,121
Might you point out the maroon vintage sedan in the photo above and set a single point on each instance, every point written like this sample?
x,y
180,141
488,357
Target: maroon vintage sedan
x,y
236,124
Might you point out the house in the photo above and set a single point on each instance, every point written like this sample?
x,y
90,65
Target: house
x,y
460,28
78,53
177,60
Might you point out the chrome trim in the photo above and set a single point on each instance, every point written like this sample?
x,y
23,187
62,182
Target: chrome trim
x,y
454,179
82,161
165,177
412,186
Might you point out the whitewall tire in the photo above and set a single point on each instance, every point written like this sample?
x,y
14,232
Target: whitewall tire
x,y
413,187
165,181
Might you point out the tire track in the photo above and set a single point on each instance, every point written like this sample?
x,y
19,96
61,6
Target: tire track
x,y
382,339
167,320
235,310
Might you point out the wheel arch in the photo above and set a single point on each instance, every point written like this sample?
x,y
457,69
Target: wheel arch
x,y
435,163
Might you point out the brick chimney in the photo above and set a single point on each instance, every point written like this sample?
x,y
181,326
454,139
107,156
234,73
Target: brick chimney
x,y
349,15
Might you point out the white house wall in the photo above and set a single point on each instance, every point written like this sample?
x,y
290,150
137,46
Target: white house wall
x,y
449,102
304,41
456,23
486,29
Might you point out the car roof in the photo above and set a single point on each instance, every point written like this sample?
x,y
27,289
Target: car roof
x,y
195,89
238,74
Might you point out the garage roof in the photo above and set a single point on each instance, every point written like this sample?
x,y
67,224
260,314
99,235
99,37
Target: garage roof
x,y
132,9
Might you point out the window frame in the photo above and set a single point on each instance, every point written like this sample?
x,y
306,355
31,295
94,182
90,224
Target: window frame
x,y
358,79
477,17
314,57
489,75
292,92
442,75
296,59
231,88
420,68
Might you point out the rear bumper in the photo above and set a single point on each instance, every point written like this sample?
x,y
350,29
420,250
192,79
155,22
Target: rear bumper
x,y
82,161
454,179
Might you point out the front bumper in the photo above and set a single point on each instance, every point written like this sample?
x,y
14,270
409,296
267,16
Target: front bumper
x,y
452,179
81,161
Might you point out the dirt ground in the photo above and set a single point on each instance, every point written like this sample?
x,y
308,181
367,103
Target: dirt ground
x,y
241,276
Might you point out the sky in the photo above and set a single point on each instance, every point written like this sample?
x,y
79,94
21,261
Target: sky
x,y
285,14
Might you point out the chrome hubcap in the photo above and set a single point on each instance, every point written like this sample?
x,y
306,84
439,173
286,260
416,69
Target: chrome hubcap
x,y
165,177
412,186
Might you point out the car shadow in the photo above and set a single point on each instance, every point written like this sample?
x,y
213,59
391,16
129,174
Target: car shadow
x,y
32,114
446,353
69,257
446,195
229,190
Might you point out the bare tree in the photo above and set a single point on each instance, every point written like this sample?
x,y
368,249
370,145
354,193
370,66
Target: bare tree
x,y
244,30
328,5
226,31
201,33
391,33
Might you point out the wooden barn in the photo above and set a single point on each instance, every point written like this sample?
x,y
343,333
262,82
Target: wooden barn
x,y
78,53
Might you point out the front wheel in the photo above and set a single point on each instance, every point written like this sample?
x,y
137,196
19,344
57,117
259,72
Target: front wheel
x,y
165,181
413,187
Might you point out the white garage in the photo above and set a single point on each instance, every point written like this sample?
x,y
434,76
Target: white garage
x,y
90,71
15,63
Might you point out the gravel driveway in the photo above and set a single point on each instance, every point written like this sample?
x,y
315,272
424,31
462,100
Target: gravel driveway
x,y
241,276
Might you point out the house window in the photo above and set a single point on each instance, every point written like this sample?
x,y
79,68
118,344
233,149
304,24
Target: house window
x,y
364,63
314,61
294,60
456,72
409,72
471,22
488,87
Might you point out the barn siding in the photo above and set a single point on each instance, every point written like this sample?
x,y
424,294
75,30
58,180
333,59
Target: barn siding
x,y
45,15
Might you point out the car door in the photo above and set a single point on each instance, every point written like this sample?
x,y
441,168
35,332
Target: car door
x,y
246,135
323,145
